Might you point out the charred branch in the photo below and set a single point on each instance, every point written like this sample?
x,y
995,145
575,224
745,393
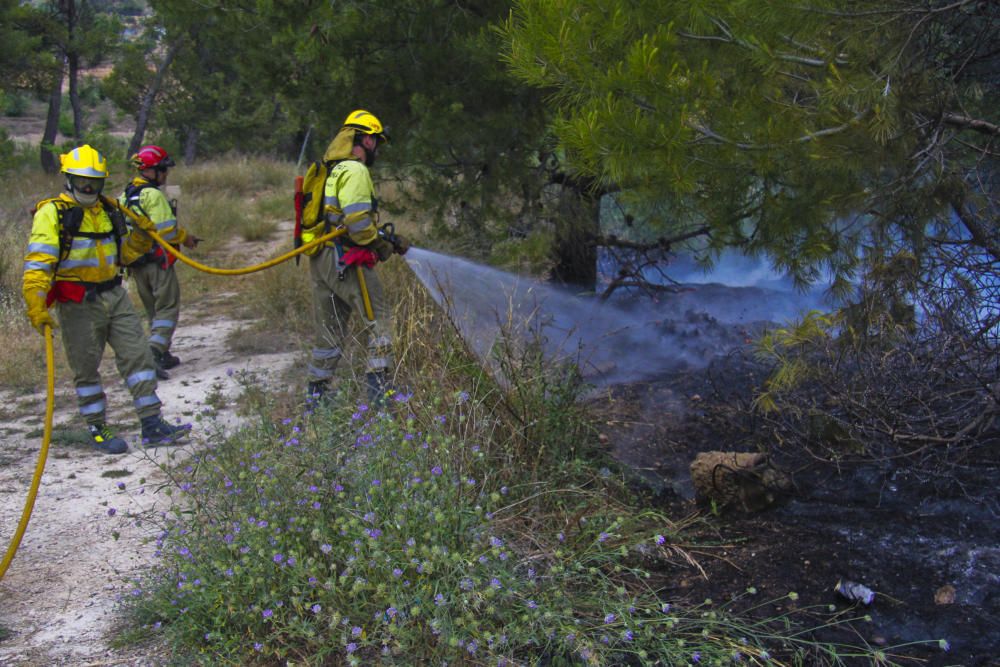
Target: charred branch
x,y
663,243
964,122
645,285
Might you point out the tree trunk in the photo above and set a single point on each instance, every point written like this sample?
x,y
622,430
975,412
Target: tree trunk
x,y
574,251
190,145
149,97
47,154
73,61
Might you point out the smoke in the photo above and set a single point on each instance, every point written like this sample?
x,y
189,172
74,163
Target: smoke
x,y
615,341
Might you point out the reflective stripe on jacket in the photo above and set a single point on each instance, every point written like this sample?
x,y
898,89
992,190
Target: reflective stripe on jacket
x,y
91,260
152,203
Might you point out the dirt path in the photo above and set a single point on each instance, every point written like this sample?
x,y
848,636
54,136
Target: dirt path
x,y
83,543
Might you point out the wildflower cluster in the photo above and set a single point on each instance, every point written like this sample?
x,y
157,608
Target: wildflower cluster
x,y
377,540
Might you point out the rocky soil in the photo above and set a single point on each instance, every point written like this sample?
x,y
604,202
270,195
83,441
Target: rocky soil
x,y
86,536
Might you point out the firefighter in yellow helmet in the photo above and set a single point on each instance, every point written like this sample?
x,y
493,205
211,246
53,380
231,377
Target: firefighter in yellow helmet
x,y
343,271
77,247
153,273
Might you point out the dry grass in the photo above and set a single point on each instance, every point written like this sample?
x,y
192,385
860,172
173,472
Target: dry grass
x,y
22,365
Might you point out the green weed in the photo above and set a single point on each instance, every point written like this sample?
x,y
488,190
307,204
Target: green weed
x,y
276,205
404,536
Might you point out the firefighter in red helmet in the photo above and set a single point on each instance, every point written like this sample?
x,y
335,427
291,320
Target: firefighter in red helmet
x,y
153,273
77,247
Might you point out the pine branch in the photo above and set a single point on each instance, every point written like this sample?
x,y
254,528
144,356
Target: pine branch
x,y
631,281
662,243
958,120
979,233
711,134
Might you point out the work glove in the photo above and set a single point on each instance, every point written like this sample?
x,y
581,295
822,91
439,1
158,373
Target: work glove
x,y
191,241
401,244
138,242
382,248
141,222
359,256
40,316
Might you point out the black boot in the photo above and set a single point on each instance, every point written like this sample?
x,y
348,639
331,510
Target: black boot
x,y
156,431
161,373
378,388
104,440
169,361
317,390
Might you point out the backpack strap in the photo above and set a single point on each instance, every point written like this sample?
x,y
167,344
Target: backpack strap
x,y
329,170
133,194
70,219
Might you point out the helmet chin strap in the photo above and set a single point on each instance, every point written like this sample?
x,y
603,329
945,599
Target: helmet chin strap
x,y
369,157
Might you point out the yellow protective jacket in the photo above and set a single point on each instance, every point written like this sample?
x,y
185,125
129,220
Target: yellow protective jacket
x,y
89,260
349,196
349,200
143,196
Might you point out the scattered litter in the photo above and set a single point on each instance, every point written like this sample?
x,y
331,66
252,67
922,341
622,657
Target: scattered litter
x,y
855,592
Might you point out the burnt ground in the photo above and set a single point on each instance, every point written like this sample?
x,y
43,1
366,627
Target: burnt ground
x,y
928,546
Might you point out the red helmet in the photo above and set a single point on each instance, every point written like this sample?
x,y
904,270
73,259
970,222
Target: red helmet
x,y
151,157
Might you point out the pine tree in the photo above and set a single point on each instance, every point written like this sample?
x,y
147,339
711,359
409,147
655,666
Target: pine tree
x,y
809,132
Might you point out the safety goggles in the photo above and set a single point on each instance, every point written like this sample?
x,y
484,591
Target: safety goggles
x,y
86,185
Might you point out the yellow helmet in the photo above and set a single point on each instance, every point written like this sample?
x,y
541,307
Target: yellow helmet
x,y
84,161
366,122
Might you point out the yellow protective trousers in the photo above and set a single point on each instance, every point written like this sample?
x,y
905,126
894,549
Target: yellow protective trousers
x,y
160,293
107,318
335,299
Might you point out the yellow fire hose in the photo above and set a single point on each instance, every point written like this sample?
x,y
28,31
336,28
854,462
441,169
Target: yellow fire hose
x,y
29,503
364,294
148,227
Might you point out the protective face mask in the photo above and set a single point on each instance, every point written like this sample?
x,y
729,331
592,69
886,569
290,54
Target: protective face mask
x,y
85,190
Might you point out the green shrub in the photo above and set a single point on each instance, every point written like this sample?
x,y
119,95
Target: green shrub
x,y
350,535
66,128
276,205
530,254
14,104
255,229
90,92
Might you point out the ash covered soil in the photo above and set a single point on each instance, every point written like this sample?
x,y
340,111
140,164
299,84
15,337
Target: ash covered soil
x,y
927,544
